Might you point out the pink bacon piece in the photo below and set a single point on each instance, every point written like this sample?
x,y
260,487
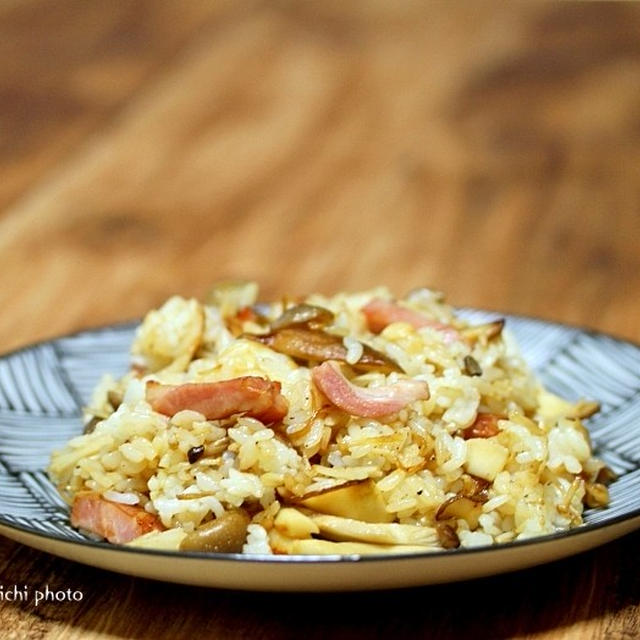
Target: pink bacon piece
x,y
380,313
249,395
366,403
118,523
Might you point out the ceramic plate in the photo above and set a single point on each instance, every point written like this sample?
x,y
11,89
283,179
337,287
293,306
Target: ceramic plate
x,y
43,387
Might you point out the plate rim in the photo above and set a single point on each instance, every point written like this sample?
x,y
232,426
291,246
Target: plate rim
x,y
263,559
283,560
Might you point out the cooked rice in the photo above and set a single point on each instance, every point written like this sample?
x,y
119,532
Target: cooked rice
x,y
419,458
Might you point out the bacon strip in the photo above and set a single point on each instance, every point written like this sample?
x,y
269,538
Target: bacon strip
x,y
366,403
380,313
118,523
250,395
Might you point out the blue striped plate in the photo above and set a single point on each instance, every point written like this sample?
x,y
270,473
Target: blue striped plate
x,y
44,386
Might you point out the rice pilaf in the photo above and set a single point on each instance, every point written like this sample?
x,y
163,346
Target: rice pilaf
x,y
356,423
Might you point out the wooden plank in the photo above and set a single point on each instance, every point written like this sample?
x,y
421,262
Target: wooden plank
x,y
280,164
68,67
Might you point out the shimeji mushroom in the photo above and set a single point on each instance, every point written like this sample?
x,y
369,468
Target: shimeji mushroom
x,y
226,534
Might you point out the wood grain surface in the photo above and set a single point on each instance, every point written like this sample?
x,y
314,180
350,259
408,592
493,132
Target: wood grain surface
x,y
489,150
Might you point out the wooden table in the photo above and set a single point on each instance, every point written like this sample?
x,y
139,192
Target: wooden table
x,y
491,151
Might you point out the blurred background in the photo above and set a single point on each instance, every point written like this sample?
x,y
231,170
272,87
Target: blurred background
x,y
488,150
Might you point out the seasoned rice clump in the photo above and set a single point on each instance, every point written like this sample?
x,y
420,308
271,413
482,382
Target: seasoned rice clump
x,y
358,423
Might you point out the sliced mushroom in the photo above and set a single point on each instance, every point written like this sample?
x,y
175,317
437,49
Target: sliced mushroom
x,y
318,346
292,523
303,315
606,476
348,529
585,409
483,332
313,546
447,536
552,406
225,534
168,540
471,366
114,398
596,495
91,424
461,507
474,487
360,499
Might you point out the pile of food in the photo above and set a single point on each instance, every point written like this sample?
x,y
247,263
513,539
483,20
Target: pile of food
x,y
357,423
